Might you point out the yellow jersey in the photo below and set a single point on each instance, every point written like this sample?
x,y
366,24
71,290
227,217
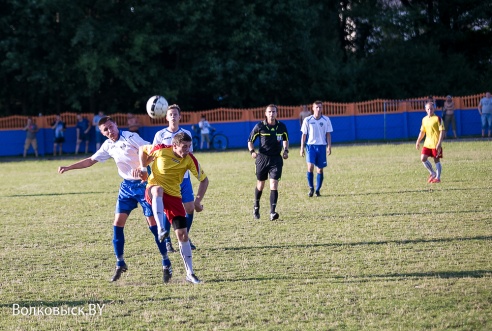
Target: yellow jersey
x,y
432,126
168,170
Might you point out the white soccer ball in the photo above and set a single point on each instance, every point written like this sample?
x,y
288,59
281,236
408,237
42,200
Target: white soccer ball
x,y
157,106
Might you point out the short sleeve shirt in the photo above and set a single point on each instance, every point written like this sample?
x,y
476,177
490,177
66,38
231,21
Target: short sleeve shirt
x,y
316,129
124,151
165,136
486,105
271,137
168,169
432,126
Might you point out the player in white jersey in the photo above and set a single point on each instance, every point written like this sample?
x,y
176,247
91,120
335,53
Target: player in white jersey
x,y
165,136
123,147
317,128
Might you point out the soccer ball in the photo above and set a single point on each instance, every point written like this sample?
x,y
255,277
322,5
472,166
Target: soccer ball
x,y
157,106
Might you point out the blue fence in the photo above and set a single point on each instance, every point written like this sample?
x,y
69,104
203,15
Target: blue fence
x,y
380,127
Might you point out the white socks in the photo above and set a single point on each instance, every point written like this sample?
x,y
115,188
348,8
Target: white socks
x,y
158,210
185,250
428,166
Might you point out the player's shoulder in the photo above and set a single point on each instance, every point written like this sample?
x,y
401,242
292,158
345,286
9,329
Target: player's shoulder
x,y
158,147
185,131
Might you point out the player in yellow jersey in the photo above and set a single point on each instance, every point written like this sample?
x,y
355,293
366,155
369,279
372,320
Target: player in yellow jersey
x,y
433,130
163,192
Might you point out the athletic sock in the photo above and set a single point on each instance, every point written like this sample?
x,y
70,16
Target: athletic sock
x,y
160,245
319,181
119,244
257,197
273,200
310,179
428,166
185,250
167,227
158,210
438,170
189,221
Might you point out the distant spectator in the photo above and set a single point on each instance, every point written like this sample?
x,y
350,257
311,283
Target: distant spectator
x,y
31,130
95,123
83,128
485,110
205,129
59,130
303,114
448,114
133,123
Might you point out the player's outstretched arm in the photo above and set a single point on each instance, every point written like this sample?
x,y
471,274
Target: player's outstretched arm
x,y
85,163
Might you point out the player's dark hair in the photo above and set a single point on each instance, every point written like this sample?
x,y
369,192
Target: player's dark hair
x,y
272,105
104,119
318,102
181,137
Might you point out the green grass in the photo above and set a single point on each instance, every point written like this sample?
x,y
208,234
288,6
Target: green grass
x,y
380,250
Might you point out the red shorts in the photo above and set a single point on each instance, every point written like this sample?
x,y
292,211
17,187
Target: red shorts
x,y
173,206
432,152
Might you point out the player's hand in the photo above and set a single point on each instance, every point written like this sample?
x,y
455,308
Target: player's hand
x,y
198,206
62,169
328,151
285,156
254,155
302,152
143,175
417,146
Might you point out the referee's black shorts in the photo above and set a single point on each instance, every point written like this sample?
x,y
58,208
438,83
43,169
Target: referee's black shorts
x,y
269,166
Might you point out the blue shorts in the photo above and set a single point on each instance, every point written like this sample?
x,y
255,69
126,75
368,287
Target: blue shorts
x,y
316,154
187,190
132,193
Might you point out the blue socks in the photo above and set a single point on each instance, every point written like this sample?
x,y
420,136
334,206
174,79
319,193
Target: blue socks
x,y
310,178
119,244
319,181
161,246
167,227
189,221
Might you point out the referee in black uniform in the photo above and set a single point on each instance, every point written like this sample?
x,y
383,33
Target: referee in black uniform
x,y
273,138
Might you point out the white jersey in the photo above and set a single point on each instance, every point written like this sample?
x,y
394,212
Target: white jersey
x,y
124,151
165,136
316,129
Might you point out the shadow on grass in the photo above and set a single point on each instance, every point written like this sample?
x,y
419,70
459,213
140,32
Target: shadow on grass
x,y
361,214
362,243
430,274
430,188
362,278
51,194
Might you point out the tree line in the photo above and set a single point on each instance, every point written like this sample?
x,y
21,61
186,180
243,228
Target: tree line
x,y
112,55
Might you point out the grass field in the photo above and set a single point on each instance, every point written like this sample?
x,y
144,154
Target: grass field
x,y
380,249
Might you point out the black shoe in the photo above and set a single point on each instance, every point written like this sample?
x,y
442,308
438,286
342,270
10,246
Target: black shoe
x,y
274,216
193,247
170,248
168,274
311,192
318,194
256,213
119,270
